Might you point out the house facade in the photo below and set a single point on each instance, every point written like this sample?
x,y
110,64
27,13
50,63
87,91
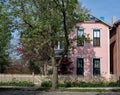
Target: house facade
x,y
115,50
91,59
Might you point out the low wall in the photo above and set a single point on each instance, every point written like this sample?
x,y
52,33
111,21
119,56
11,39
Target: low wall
x,y
37,79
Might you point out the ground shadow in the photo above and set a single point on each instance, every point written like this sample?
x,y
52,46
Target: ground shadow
x,y
108,93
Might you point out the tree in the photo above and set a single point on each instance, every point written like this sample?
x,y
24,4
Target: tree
x,y
41,24
5,36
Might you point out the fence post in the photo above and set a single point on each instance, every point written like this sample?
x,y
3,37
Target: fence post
x,y
33,76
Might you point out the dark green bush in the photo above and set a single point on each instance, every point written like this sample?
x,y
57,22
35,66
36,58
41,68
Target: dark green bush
x,y
89,84
24,83
113,84
82,84
19,83
46,84
68,84
75,84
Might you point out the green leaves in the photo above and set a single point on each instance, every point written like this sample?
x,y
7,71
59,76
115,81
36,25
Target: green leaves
x,y
5,35
42,22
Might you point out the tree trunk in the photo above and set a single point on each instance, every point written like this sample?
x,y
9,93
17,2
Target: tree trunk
x,y
55,75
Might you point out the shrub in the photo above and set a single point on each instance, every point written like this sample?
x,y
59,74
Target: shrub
x,y
88,84
23,83
46,84
81,84
19,83
75,84
61,84
113,84
68,84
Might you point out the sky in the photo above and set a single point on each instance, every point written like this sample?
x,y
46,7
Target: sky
x,y
103,8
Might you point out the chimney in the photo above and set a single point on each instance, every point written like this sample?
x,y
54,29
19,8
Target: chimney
x,y
114,19
102,18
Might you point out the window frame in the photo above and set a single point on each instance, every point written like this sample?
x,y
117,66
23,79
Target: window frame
x,y
77,66
96,30
96,68
59,45
82,44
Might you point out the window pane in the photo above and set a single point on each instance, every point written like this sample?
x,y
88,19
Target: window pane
x,y
96,66
96,72
80,32
96,37
61,45
96,41
80,66
96,33
80,40
56,45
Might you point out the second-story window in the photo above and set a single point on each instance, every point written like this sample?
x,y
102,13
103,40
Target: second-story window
x,y
80,40
96,37
59,45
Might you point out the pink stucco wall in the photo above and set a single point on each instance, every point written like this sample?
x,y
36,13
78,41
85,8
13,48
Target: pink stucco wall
x,y
88,52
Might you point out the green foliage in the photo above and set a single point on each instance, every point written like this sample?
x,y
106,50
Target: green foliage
x,y
87,90
46,84
4,63
68,84
114,84
61,84
82,84
41,23
5,36
50,72
19,83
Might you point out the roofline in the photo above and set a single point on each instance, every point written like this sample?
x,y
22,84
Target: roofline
x,y
116,23
110,26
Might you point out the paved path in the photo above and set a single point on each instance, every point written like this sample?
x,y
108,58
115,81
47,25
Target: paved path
x,y
29,91
55,93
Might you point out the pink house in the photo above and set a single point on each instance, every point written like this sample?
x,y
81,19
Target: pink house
x,y
91,59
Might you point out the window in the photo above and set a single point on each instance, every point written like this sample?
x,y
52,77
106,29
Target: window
x,y
96,66
80,66
80,40
59,45
96,37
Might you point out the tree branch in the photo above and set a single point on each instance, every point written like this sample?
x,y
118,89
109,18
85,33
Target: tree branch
x,y
28,23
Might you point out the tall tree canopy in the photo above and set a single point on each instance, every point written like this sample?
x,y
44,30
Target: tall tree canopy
x,y
42,23
5,35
